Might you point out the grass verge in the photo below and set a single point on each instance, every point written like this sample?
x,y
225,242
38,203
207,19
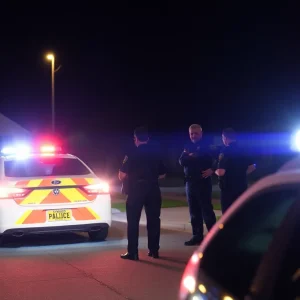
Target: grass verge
x,y
216,194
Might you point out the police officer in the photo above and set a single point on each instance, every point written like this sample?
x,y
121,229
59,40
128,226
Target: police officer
x,y
142,168
233,167
198,163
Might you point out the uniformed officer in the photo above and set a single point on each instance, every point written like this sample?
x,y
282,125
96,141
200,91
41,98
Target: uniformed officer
x,y
142,168
233,167
198,163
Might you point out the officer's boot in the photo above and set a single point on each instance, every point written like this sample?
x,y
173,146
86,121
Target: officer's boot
x,y
130,256
153,254
194,241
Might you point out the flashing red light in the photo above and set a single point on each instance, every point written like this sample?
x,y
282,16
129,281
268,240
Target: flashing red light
x,y
48,149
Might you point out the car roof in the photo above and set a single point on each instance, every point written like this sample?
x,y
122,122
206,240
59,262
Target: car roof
x,y
291,165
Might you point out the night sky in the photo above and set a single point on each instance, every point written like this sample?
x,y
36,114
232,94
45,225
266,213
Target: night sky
x,y
220,68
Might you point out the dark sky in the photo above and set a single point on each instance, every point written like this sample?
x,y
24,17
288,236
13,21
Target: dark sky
x,y
220,68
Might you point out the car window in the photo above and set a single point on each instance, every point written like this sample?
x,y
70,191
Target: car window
x,y
45,166
234,254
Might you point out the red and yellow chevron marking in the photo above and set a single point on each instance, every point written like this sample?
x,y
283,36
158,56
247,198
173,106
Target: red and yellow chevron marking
x,y
46,196
39,216
48,182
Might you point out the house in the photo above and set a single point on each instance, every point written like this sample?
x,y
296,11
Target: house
x,y
11,131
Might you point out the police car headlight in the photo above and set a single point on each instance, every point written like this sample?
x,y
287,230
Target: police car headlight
x,y
12,192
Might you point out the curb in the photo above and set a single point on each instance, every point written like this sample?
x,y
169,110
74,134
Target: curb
x,y
117,211
178,227
119,216
185,227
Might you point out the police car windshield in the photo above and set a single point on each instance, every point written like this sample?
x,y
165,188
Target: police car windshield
x,y
45,166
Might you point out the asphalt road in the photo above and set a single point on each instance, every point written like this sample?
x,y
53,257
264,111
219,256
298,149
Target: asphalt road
x,y
69,266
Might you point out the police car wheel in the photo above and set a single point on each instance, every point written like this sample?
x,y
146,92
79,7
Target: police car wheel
x,y
100,235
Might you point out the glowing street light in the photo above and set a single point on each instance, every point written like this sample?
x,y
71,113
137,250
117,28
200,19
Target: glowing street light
x,y
51,57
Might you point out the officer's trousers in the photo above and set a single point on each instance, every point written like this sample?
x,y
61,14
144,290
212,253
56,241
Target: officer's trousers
x,y
143,194
228,196
200,206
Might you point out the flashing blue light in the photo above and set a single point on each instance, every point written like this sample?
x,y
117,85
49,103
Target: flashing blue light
x,y
19,150
295,144
7,150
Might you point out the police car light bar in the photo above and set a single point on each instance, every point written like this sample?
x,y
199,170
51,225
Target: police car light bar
x,y
22,150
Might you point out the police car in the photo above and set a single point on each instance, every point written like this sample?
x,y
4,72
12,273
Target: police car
x,y
253,250
44,190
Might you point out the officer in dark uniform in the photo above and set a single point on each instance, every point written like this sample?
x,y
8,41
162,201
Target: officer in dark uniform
x,y
125,182
142,168
233,167
198,163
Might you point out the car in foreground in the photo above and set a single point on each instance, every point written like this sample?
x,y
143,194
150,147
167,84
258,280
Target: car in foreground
x,y
253,250
45,190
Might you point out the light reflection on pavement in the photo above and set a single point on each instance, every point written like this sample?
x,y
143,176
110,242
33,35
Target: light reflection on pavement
x,y
70,266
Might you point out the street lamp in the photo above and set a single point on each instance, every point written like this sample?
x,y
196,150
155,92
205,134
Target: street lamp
x,y
52,59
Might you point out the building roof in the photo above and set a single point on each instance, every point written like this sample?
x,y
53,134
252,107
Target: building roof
x,y
11,128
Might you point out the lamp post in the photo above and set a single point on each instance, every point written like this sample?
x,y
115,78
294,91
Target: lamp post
x,y
51,57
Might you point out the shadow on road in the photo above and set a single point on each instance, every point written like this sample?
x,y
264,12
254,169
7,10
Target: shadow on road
x,y
169,259
117,236
44,240
116,233
167,267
